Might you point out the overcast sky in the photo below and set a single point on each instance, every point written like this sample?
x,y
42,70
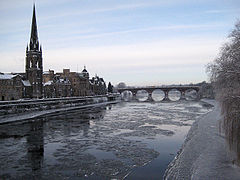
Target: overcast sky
x,y
139,42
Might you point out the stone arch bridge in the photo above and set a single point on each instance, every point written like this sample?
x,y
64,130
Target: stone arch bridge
x,y
149,90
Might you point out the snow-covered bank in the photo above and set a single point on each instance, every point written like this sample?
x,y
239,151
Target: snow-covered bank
x,y
204,154
34,114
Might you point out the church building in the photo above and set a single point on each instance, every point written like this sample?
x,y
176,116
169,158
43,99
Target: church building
x,y
34,62
35,83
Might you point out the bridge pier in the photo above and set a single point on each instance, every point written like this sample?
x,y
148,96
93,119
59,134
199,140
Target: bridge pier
x,y
198,96
134,96
150,99
183,97
166,98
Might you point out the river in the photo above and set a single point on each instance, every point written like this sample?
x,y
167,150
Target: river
x,y
132,140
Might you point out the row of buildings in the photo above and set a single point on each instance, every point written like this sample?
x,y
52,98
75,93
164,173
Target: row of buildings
x,y
35,83
69,83
66,84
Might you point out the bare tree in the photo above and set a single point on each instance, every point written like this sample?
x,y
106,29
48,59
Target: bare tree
x,y
110,87
225,76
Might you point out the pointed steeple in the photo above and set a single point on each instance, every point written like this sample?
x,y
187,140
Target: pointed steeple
x,y
34,61
34,44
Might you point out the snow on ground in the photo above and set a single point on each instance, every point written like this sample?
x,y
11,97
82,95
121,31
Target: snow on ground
x,y
204,154
34,114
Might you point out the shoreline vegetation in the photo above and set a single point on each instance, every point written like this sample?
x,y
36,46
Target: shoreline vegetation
x,y
225,76
211,149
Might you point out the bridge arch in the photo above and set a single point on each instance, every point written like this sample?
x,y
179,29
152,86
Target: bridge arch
x,y
174,95
182,89
127,95
191,94
158,95
142,95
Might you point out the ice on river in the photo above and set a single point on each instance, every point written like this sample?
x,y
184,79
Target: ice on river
x,y
136,139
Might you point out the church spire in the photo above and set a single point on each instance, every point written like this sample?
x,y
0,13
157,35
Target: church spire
x,y
34,44
34,62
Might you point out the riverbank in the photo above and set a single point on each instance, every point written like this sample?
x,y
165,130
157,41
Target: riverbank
x,y
31,114
204,154
133,139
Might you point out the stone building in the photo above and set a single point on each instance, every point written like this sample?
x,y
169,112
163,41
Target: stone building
x,y
70,83
48,76
56,86
34,64
62,87
11,87
28,84
79,81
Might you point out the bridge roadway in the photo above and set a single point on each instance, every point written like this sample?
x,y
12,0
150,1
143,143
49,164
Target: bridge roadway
x,y
165,89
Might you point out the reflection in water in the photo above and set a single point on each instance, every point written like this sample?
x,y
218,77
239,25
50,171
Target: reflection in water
x,y
35,143
97,143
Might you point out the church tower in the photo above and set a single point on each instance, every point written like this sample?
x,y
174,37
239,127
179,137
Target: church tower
x,y
34,64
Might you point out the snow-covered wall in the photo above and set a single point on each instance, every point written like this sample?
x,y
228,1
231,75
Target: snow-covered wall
x,y
23,106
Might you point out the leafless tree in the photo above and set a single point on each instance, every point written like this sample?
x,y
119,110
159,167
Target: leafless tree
x,y
225,76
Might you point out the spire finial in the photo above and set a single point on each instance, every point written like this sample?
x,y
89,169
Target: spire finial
x,y
34,36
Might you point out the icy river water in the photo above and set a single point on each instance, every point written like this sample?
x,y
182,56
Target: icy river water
x,y
132,140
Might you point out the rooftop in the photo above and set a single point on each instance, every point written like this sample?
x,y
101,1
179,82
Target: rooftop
x,y
8,76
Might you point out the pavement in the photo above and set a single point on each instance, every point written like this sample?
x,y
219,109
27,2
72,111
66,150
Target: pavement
x,y
204,154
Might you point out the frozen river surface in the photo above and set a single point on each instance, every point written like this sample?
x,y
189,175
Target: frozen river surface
x,y
134,140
